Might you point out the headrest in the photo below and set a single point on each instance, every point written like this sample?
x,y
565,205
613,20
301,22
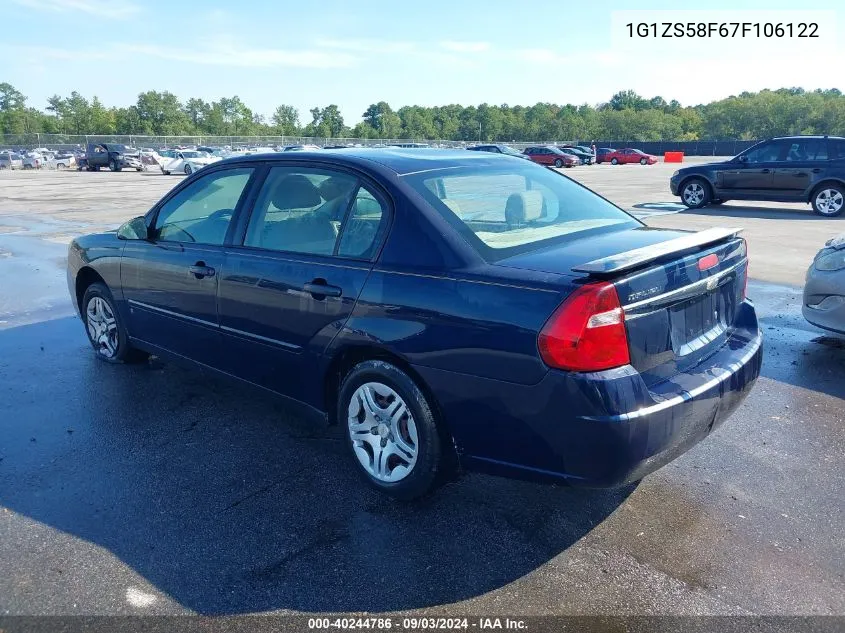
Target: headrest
x,y
524,207
295,192
335,187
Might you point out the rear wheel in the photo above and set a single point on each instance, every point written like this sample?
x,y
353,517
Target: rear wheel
x,y
643,161
114,165
188,170
392,431
695,193
558,163
106,332
60,166
166,173
829,200
614,161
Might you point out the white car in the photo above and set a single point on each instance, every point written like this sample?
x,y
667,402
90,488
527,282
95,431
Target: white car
x,y
187,162
61,161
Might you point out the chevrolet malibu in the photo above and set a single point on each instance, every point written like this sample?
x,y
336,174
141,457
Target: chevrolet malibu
x,y
446,308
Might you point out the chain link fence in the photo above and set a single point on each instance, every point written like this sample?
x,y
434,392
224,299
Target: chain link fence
x,y
70,141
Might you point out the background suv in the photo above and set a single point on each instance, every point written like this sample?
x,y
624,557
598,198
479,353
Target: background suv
x,y
789,169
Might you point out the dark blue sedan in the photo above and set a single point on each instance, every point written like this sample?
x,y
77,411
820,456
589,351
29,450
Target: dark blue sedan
x,y
446,308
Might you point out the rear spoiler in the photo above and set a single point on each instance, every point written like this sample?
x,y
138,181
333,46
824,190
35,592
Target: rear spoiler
x,y
621,262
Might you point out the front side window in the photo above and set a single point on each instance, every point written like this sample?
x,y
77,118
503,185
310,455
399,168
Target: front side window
x,y
315,211
763,153
503,211
201,212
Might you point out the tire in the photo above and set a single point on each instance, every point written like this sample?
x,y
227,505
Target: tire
x,y
643,161
110,342
829,200
695,193
95,168
558,163
614,161
411,444
166,173
60,166
139,169
188,170
114,165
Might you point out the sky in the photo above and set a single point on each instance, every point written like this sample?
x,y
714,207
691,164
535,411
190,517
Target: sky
x,y
413,52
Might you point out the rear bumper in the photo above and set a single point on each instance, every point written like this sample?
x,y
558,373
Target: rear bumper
x,y
602,429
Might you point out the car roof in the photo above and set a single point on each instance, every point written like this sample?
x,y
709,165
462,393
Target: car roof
x,y
400,160
786,138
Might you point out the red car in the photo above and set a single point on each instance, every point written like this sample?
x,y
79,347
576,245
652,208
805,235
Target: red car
x,y
546,155
628,155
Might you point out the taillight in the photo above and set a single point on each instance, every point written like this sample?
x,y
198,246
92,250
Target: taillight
x,y
587,331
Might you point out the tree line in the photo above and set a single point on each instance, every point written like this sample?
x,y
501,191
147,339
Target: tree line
x,y
626,116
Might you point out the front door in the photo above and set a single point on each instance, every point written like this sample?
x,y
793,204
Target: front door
x,y
751,171
170,280
286,291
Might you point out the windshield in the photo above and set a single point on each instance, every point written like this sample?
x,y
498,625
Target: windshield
x,y
193,154
510,151
503,211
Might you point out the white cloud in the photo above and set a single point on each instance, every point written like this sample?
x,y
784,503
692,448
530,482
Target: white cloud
x,y
465,47
247,57
112,9
369,46
541,56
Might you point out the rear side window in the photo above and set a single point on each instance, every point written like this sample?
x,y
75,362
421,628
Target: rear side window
x,y
837,149
805,149
501,212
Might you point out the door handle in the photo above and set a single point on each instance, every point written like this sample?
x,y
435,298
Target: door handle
x,y
765,171
817,171
320,289
200,270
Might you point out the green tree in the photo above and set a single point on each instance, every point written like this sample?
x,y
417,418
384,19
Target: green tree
x,y
285,120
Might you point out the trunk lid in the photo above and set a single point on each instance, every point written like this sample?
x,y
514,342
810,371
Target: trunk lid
x,y
680,291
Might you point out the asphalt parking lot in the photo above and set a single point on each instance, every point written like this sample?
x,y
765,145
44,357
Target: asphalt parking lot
x,y
159,490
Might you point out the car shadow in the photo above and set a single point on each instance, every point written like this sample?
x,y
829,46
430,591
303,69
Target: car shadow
x,y
227,503
734,209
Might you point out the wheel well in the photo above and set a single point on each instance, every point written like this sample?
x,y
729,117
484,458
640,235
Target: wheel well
x,y
84,278
696,177
824,183
348,357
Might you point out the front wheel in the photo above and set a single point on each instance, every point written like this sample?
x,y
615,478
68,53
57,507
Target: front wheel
x,y
166,173
643,161
558,163
614,161
114,165
392,432
106,332
188,170
695,193
829,201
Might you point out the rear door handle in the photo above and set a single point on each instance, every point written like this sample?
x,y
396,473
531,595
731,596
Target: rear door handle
x,y
817,171
320,289
200,270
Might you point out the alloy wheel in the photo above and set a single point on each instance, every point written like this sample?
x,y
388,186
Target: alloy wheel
x,y
829,201
383,432
694,194
102,326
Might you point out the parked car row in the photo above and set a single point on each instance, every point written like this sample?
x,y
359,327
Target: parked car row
x,y
571,155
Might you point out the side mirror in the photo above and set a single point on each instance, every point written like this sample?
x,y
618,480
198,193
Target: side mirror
x,y
135,229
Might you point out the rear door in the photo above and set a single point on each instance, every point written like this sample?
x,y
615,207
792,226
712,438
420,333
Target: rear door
x,y
293,278
804,161
170,281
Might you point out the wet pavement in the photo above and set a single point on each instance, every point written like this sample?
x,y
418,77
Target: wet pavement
x,y
155,489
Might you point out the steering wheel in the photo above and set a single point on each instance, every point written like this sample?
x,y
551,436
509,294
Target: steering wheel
x,y
221,214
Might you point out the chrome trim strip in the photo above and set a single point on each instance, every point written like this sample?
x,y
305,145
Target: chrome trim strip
x,y
682,293
631,259
177,315
232,330
260,338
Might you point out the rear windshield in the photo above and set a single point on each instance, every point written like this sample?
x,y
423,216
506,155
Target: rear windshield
x,y
505,211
